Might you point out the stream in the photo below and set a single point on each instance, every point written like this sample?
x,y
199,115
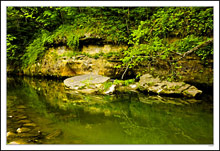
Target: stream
x,y
42,111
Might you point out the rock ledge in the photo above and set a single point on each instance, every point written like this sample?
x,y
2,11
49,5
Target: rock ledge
x,y
155,85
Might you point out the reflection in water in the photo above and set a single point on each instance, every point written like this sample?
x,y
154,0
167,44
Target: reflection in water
x,y
41,111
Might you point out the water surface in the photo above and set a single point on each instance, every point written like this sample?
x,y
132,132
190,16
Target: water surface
x,y
41,111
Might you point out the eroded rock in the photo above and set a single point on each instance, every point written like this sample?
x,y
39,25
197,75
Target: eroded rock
x,y
61,62
192,91
155,85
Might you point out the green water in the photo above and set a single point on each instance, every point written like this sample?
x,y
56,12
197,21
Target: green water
x,y
46,113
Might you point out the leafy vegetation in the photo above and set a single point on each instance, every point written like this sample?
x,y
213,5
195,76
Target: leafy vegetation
x,y
189,27
124,82
152,33
107,85
36,28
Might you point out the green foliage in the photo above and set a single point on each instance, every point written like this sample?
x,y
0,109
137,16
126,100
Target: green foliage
x,y
190,25
11,48
96,56
20,25
176,21
186,43
145,29
63,25
46,39
107,85
66,34
190,42
205,52
124,82
35,49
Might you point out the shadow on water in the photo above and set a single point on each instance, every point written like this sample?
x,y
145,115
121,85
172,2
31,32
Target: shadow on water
x,y
42,111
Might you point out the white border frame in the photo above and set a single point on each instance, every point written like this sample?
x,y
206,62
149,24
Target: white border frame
x,y
4,4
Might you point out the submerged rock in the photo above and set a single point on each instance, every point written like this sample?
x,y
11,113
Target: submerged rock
x,y
29,125
157,99
54,134
21,107
23,117
23,130
155,85
10,134
24,121
16,142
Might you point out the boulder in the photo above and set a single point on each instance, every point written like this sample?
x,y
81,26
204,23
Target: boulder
x,y
84,80
192,91
155,85
147,79
88,83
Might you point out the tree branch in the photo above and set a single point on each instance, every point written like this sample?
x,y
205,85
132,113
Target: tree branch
x,y
195,48
126,70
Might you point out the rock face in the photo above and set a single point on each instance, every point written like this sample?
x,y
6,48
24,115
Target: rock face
x,y
93,44
155,85
62,62
106,48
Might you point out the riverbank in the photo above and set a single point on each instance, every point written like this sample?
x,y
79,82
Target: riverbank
x,y
62,63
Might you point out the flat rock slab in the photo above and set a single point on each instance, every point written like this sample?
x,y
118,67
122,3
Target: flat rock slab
x,y
84,80
155,85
